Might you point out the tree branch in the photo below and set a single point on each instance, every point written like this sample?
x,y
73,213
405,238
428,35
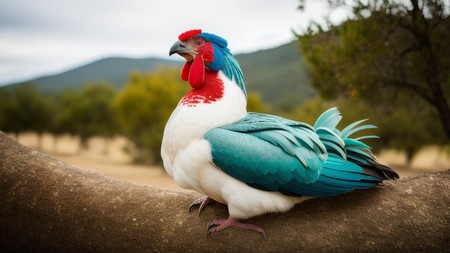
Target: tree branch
x,y
417,88
47,205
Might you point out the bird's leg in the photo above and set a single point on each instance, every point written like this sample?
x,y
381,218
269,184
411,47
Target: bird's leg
x,y
218,225
201,203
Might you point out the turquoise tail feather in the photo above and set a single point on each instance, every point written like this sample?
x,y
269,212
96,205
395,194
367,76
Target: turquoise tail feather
x,y
340,144
350,164
338,176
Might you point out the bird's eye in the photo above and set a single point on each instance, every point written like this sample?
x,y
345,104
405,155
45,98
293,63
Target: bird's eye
x,y
199,42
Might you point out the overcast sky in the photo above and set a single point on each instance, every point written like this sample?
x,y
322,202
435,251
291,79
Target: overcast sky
x,y
40,37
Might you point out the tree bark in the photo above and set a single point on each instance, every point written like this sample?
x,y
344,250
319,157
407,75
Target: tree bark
x,y
47,205
443,110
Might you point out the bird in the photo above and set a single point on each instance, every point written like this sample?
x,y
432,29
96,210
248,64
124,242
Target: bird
x,y
254,163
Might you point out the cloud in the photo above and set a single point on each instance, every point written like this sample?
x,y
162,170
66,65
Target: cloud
x,y
44,36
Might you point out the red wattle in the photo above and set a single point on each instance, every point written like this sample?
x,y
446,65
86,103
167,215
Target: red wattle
x,y
197,72
185,71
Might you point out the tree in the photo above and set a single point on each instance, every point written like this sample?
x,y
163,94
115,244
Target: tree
x,y
57,127
256,104
5,101
144,106
87,113
387,51
401,131
26,109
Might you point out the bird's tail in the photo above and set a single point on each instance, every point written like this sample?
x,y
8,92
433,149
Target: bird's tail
x,y
339,144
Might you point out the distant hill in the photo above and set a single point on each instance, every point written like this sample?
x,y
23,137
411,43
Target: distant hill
x,y
113,70
277,74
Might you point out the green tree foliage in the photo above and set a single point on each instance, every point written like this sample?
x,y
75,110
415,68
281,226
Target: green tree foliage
x,y
86,113
402,131
25,108
144,106
5,100
391,53
256,104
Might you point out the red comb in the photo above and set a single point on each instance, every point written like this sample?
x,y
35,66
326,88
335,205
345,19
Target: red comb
x,y
189,34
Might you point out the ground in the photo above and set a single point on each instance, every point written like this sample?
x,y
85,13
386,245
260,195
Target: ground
x,y
113,161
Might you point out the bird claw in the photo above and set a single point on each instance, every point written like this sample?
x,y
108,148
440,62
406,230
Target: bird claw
x,y
201,203
211,228
196,203
218,225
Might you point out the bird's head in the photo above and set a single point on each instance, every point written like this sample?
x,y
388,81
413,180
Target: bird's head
x,y
205,52
195,43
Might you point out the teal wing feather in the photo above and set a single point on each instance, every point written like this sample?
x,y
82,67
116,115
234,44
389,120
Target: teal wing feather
x,y
267,152
276,154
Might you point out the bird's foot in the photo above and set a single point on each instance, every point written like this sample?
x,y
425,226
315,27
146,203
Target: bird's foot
x,y
218,225
201,203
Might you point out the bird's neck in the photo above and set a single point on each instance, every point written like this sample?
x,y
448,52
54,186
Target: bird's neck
x,y
233,71
211,91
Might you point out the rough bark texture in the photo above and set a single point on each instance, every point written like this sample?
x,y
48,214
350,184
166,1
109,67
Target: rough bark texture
x,y
47,205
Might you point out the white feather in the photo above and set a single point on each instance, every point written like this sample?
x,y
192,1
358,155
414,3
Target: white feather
x,y
187,156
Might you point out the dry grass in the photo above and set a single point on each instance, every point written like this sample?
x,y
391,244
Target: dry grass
x,y
112,161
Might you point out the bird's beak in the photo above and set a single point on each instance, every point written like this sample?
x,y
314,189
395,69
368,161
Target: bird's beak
x,y
180,48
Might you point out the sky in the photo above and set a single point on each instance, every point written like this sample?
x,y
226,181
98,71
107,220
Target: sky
x,y
42,37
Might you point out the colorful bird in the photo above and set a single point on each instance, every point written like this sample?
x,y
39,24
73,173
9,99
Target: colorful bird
x,y
254,163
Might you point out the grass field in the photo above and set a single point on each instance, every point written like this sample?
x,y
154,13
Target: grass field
x,y
112,161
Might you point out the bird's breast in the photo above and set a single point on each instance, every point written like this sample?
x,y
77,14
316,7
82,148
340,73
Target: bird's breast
x,y
200,111
211,91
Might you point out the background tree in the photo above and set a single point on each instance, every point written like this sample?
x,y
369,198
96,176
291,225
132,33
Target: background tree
x,y
87,113
144,106
256,104
5,100
57,127
25,108
390,53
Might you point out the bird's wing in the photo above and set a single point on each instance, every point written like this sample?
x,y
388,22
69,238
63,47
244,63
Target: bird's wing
x,y
267,152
